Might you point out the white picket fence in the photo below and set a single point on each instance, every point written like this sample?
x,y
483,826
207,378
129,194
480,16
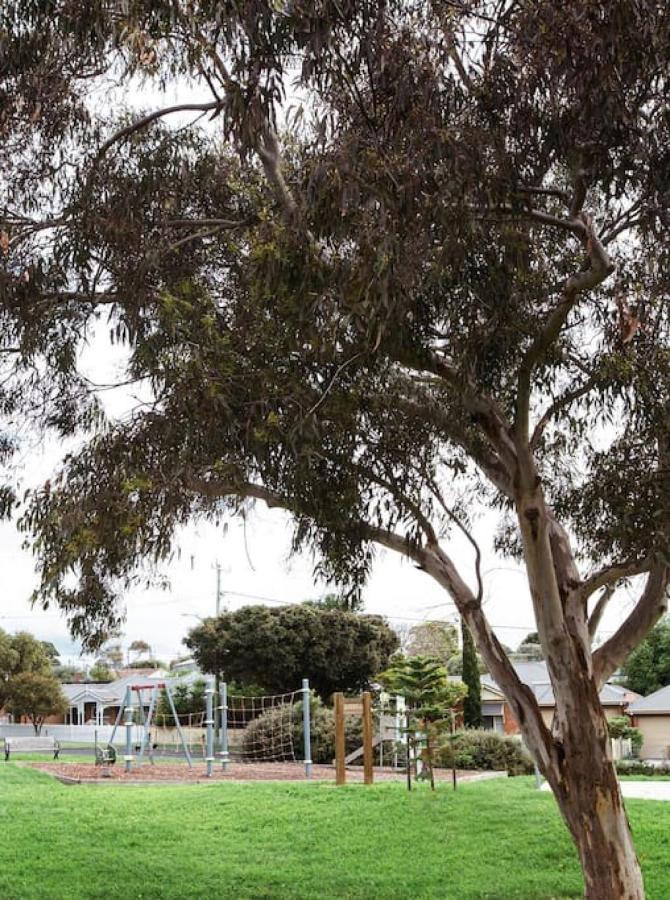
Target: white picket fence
x,y
73,734
86,734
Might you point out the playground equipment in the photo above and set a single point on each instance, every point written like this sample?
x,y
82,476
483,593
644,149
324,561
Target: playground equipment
x,y
390,718
362,708
145,721
240,740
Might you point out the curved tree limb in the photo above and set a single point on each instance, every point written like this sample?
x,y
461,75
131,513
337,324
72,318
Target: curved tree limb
x,y
609,575
436,563
600,266
599,609
558,404
138,124
652,605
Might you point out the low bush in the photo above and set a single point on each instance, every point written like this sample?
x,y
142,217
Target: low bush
x,y
489,750
280,732
638,767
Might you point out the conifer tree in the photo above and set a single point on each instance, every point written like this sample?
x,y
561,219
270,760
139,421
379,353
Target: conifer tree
x,y
472,703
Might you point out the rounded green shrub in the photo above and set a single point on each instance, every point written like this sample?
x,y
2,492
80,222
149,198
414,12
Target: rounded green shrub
x,y
489,750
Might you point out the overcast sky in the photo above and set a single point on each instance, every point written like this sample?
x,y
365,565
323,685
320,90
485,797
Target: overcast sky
x,y
254,556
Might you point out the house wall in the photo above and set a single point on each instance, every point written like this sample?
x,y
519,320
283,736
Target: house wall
x,y
656,733
509,722
612,712
547,712
54,720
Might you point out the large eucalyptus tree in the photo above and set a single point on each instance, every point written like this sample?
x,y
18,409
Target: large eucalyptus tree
x,y
414,265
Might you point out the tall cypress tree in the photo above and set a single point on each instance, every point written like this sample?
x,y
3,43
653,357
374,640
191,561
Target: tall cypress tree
x,y
472,704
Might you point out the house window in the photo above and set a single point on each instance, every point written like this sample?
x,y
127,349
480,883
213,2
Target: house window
x,y
492,723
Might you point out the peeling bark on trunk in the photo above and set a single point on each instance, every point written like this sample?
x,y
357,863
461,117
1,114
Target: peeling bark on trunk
x,y
579,769
575,757
587,792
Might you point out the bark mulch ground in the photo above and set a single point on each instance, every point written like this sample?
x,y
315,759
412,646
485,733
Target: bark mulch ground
x,y
179,773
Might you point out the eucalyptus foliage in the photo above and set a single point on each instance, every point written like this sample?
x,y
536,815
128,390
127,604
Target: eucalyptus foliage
x,y
397,263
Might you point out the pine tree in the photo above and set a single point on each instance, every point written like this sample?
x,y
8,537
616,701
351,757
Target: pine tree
x,y
472,704
431,700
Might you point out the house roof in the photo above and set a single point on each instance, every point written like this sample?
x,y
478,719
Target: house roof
x,y
536,676
658,702
110,693
113,693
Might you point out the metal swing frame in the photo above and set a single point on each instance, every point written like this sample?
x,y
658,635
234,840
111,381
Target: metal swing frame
x,y
146,721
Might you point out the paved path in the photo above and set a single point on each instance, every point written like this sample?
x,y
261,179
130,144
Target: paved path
x,y
641,790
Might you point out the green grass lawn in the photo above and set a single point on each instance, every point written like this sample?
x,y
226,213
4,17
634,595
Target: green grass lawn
x,y
276,840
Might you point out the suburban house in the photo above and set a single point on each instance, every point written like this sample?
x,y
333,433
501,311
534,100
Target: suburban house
x,y
496,712
652,716
98,703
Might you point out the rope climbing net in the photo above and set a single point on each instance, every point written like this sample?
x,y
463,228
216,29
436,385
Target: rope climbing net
x,y
265,729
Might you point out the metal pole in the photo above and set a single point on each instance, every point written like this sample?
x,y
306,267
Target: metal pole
x,y
128,758
224,726
409,753
149,720
142,722
209,722
217,675
179,731
306,727
117,722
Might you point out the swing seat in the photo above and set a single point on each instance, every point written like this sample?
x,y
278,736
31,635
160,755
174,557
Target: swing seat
x,y
105,757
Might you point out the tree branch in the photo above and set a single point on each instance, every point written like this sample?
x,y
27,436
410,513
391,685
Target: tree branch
x,y
435,562
519,695
599,609
610,575
599,268
651,606
558,404
213,223
545,192
466,532
574,225
488,413
420,404
152,117
268,151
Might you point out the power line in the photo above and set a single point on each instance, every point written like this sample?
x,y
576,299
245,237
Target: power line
x,y
388,615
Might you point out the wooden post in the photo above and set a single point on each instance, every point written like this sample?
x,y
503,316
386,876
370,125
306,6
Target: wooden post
x,y
340,770
368,772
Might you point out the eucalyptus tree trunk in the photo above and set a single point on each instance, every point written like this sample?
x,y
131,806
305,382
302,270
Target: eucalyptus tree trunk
x,y
580,769
575,754
587,791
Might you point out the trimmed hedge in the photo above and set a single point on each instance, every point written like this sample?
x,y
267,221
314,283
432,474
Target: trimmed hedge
x,y
637,767
487,750
270,730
